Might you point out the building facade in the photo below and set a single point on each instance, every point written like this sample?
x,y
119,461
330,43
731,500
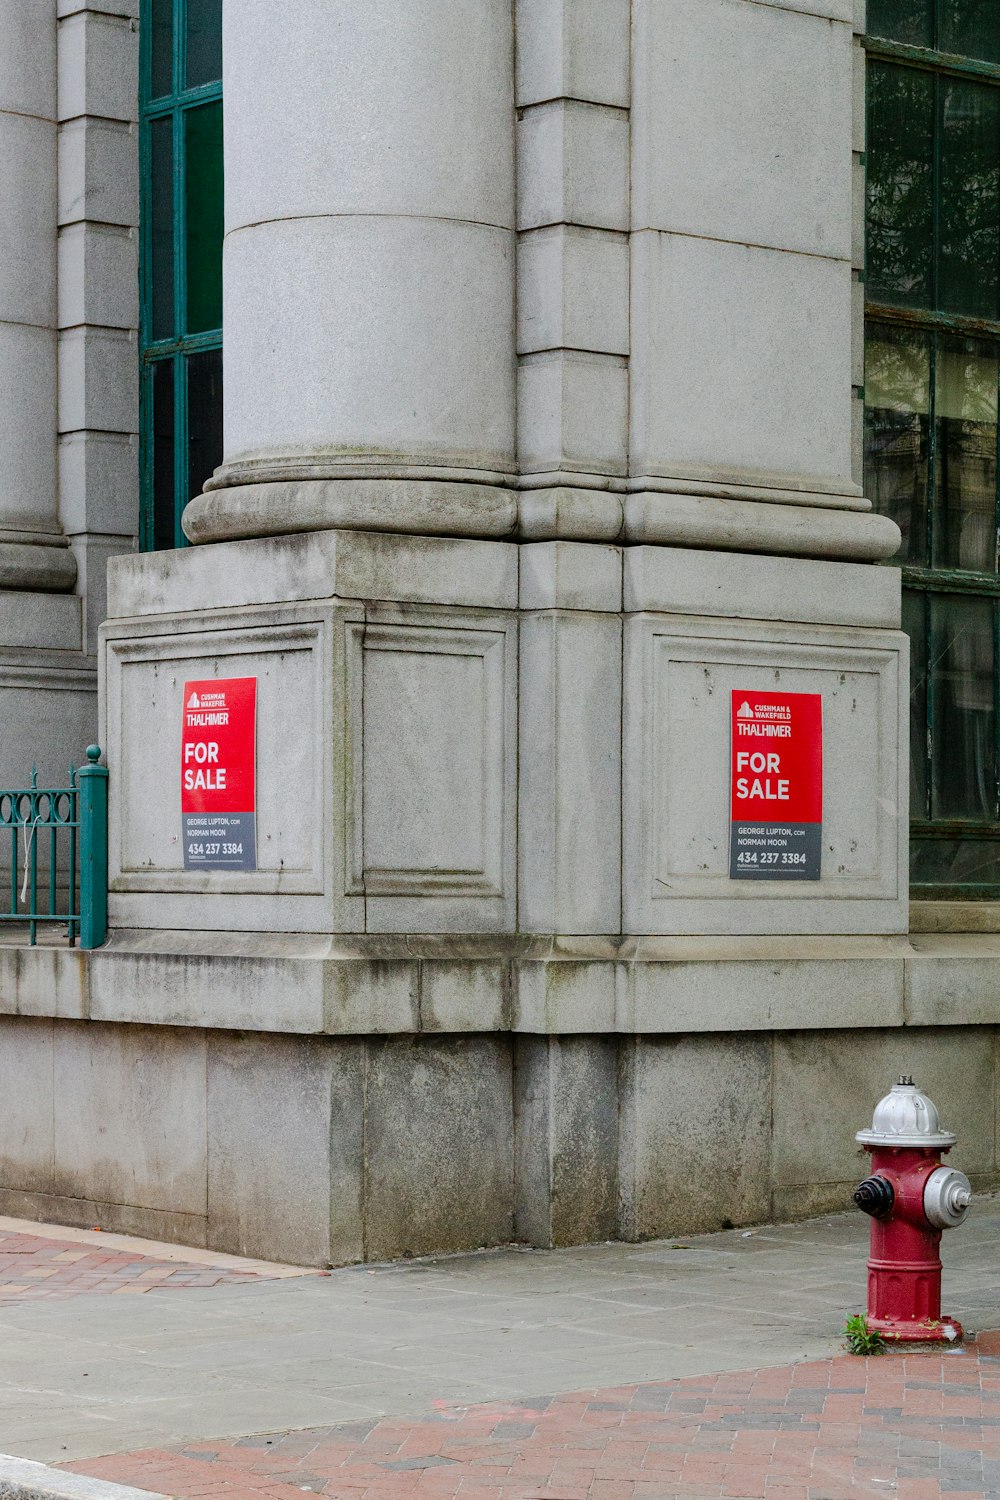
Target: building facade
x,y
479,395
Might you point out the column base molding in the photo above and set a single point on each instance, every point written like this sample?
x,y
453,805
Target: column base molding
x,y
428,507
684,520
816,526
29,565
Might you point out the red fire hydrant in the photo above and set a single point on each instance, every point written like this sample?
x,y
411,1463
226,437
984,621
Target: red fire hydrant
x,y
911,1198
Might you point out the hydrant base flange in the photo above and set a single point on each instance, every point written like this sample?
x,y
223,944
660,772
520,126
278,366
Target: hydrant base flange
x,y
934,1331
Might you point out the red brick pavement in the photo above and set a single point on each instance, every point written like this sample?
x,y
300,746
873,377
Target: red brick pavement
x,y
32,1267
916,1427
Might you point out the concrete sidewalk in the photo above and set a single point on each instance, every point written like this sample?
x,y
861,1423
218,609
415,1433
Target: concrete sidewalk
x,y
84,1373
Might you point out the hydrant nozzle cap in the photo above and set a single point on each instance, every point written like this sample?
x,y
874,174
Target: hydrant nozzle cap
x,y
906,1117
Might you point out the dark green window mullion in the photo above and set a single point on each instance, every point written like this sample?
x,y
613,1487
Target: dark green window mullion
x,y
166,104
905,317
145,298
145,286
951,581
920,57
167,439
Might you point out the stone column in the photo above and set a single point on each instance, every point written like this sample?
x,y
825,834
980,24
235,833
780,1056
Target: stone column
x,y
742,288
33,551
369,278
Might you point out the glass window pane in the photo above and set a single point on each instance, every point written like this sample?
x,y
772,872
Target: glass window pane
x,y
955,862
161,207
163,453
965,420
969,256
203,198
900,185
962,729
897,427
204,42
204,418
914,623
970,28
909,21
161,43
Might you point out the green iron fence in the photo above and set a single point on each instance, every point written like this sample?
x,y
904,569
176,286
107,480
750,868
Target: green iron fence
x,y
57,842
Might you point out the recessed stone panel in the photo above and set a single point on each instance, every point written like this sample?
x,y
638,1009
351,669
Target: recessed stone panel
x,y
431,795
300,780
151,688
679,678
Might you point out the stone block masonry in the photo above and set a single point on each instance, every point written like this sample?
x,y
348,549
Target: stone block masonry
x,y
327,1147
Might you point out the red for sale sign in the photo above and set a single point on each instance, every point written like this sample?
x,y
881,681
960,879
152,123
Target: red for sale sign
x,y
219,774
776,812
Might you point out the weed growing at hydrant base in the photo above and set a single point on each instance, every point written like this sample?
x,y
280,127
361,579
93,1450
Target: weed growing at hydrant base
x,y
860,1338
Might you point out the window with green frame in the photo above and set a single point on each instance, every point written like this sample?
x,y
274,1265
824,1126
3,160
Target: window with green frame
x,y
932,361
181,218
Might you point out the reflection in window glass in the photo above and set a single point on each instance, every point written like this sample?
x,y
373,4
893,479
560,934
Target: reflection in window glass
x,y
203,197
181,233
910,21
955,862
204,418
970,28
900,223
161,211
969,257
897,429
204,42
961,680
967,28
965,449
932,371
914,608
161,46
163,453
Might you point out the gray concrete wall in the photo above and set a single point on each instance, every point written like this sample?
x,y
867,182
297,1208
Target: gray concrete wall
x,y
338,1149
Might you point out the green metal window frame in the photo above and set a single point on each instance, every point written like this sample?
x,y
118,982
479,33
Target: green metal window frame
x,y
925,581
173,106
